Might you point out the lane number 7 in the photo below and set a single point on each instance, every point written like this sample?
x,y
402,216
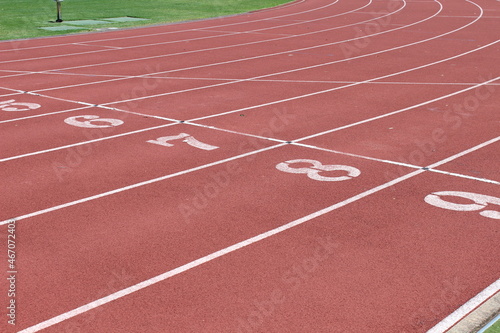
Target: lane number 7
x,y
190,140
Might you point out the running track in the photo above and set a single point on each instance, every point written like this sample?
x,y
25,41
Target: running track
x,y
321,166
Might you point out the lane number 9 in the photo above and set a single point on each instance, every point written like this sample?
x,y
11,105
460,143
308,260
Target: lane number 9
x,y
479,203
92,122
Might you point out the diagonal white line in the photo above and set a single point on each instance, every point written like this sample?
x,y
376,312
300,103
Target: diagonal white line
x,y
159,278
136,185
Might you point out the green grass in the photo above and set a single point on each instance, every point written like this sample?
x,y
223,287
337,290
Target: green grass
x,y
22,18
495,328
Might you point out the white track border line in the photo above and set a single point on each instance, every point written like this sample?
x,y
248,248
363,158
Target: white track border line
x,y
225,34
465,309
159,278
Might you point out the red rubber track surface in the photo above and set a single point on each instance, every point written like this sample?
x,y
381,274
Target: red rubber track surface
x,y
276,171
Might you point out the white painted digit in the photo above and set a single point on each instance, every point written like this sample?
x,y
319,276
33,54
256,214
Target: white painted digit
x,y
480,202
317,167
93,122
190,140
11,105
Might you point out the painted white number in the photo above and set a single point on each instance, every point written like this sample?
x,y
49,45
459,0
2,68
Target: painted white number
x,y
12,105
93,122
163,141
317,167
480,202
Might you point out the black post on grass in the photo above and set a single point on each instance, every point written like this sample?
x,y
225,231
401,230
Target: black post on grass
x,y
59,14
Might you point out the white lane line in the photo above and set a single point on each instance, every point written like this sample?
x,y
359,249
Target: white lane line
x,y
424,83
126,77
239,59
484,180
8,95
326,64
397,111
317,93
96,46
159,278
170,32
43,114
208,258
463,153
136,185
289,99
465,309
14,90
225,34
84,142
245,32
24,73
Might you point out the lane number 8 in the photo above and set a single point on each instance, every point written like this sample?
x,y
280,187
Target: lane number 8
x,y
481,201
317,167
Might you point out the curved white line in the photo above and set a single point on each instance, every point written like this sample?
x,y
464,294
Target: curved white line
x,y
53,71
186,40
293,3
166,33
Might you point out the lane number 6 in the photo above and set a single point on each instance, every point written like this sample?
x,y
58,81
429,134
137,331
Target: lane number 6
x,y
12,105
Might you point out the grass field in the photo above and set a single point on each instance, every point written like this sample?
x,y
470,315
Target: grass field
x,y
495,328
23,18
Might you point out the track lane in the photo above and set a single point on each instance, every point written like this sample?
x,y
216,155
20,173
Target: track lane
x,y
435,269
313,198
145,207
33,135
426,317
69,174
25,44
117,50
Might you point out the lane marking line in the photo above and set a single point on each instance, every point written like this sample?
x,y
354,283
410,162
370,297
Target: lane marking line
x,y
84,142
124,292
208,258
171,24
397,111
465,309
226,34
136,185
